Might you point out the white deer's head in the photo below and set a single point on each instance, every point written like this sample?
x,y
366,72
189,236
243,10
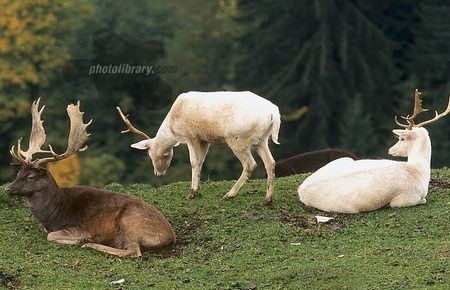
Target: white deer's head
x,y
406,139
161,157
414,133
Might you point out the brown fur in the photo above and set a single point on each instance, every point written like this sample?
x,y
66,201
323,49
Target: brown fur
x,y
100,219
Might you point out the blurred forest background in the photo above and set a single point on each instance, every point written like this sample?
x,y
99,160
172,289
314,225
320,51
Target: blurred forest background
x,y
339,71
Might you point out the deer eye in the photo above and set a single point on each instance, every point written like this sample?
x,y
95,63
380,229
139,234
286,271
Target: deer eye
x,y
31,177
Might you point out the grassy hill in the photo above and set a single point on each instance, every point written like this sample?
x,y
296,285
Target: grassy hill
x,y
241,244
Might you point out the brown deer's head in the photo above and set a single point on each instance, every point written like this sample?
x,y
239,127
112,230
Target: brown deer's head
x,y
30,180
32,176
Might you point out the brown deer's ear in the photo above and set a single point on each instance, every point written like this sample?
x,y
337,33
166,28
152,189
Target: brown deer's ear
x,y
43,172
16,166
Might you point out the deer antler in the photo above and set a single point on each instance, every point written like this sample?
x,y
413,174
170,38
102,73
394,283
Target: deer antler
x,y
77,137
437,117
417,110
131,128
15,154
37,137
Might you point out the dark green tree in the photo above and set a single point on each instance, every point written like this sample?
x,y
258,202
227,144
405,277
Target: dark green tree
x,y
121,34
358,130
322,55
431,69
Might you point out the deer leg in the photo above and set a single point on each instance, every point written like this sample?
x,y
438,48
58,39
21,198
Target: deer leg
x,y
269,163
133,251
150,233
248,166
197,154
407,200
66,237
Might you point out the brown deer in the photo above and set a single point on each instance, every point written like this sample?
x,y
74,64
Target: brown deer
x,y
110,222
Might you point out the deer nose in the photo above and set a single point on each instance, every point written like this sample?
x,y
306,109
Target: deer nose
x,y
157,173
391,151
8,189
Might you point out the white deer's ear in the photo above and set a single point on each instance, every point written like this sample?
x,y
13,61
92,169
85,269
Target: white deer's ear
x,y
142,145
398,132
404,132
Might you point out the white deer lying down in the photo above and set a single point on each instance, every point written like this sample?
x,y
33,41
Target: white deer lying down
x,y
242,120
350,186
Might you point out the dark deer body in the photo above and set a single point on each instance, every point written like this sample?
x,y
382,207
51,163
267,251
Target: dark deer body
x,y
111,222
99,219
308,162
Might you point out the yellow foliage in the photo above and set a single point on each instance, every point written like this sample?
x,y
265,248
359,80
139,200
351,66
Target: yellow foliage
x,y
296,115
66,172
33,39
12,108
4,45
231,6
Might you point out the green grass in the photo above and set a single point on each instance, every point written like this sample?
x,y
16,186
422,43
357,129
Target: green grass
x,y
241,244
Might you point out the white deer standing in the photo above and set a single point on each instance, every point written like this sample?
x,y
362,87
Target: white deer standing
x,y
350,186
242,120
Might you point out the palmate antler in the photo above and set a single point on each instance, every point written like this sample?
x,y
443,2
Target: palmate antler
x,y
131,128
77,137
417,110
37,136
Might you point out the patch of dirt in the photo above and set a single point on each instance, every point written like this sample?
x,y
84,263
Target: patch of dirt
x,y
435,183
254,216
296,221
304,223
333,224
8,281
185,236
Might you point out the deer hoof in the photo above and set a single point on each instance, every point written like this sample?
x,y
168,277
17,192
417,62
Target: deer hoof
x,y
268,201
89,246
191,194
228,196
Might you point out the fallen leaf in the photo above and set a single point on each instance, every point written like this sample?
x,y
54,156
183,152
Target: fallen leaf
x,y
118,281
323,219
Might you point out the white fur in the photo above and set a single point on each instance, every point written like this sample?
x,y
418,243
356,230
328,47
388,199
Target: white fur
x,y
242,120
349,186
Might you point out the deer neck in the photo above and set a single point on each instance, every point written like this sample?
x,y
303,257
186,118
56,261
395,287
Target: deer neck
x,y
44,203
165,138
420,156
